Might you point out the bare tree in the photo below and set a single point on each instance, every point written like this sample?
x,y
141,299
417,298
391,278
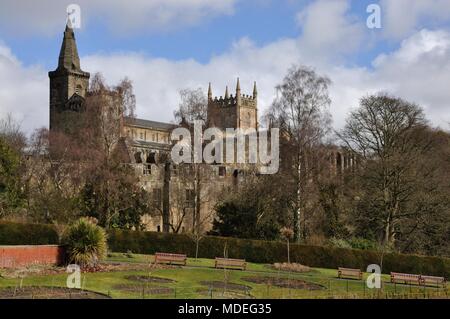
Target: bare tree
x,y
11,132
54,177
301,112
384,132
193,106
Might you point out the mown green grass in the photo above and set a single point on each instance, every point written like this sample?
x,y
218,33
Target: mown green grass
x,y
187,282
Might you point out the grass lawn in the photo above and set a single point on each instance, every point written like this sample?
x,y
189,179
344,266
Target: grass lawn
x,y
199,279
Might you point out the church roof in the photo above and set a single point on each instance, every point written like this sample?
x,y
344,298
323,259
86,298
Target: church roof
x,y
151,145
149,124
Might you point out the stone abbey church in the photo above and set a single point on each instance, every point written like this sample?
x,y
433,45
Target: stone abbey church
x,y
147,140
176,194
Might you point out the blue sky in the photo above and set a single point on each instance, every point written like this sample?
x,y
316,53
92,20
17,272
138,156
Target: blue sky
x,y
164,46
262,21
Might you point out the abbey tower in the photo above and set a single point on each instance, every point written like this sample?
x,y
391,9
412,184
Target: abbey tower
x,y
238,111
68,83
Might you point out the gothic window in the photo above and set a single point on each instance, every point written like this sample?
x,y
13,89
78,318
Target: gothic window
x,y
190,197
339,163
151,158
78,89
137,157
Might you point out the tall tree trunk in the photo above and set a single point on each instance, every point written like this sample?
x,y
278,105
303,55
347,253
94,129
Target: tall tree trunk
x,y
197,200
166,198
298,213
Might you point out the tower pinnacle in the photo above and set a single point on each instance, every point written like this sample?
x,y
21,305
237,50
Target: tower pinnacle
x,y
209,91
238,88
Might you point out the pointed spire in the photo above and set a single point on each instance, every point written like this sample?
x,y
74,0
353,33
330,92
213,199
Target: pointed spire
x,y
68,56
226,93
238,88
209,92
255,91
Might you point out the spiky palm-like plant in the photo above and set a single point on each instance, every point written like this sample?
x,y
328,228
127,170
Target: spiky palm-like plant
x,y
85,243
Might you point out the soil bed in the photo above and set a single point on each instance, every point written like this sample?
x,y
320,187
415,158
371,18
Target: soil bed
x,y
223,285
149,279
48,293
150,290
284,282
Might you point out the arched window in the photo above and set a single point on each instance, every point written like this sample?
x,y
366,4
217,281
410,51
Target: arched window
x,y
137,157
151,159
78,89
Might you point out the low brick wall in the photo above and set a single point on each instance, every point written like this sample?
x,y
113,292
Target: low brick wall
x,y
17,256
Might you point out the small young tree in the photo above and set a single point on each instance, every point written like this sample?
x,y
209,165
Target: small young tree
x,y
287,234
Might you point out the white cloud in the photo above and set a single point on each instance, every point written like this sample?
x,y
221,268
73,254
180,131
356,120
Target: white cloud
x,y
158,81
403,17
23,91
328,29
47,16
419,71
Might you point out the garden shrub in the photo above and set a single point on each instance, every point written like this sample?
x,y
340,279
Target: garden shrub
x,y
85,243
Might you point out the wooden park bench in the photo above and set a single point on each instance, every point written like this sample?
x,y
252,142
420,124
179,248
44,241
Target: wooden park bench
x,y
433,280
405,278
349,273
230,263
171,259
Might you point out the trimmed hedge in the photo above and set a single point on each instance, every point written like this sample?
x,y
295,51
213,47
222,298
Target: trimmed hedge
x,y
27,234
270,252
252,250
